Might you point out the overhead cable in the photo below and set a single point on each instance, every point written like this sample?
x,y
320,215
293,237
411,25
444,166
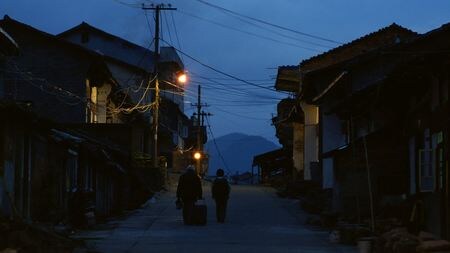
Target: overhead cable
x,y
269,24
221,72
248,33
217,146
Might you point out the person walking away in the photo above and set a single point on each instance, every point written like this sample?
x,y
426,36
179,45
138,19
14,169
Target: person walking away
x,y
221,193
189,190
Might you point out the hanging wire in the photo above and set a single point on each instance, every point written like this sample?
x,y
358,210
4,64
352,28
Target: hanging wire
x,y
167,27
217,146
248,33
176,34
269,23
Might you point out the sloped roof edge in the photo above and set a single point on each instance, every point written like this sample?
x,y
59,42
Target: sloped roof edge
x,y
164,50
393,26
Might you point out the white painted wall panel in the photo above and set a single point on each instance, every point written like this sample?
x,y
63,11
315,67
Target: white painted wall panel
x,y
328,173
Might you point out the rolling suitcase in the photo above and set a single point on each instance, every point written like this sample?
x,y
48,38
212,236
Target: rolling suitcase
x,y
200,213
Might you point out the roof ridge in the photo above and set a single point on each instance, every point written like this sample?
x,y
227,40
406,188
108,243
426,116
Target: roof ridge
x,y
85,24
9,19
56,38
362,38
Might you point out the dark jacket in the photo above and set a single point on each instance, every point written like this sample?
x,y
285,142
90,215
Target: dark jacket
x,y
189,186
220,189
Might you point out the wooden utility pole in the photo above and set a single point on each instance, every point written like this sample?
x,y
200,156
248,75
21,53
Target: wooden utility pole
x,y
199,108
200,123
157,8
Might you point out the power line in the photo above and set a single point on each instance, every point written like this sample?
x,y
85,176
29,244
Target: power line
x,y
221,72
268,23
150,27
176,33
236,92
247,32
178,87
239,105
242,95
219,80
230,79
167,26
217,146
231,84
132,5
241,116
276,32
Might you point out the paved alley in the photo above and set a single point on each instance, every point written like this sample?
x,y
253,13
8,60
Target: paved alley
x,y
258,221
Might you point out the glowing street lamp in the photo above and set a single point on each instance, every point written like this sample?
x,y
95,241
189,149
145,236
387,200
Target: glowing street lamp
x,y
197,155
182,77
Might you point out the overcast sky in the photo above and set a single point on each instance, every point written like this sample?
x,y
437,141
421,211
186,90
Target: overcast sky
x,y
237,107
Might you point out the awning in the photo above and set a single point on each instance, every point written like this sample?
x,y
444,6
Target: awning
x,y
96,151
279,157
288,79
64,136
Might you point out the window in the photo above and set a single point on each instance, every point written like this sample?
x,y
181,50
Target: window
x,y
71,171
185,132
93,105
98,107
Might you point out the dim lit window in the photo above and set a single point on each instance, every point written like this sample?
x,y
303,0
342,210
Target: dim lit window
x,y
93,105
71,171
185,132
426,169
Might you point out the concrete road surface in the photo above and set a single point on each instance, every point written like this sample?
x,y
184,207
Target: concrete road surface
x,y
257,221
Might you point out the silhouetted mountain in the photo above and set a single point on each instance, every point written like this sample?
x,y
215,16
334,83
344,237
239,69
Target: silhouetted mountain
x,y
237,150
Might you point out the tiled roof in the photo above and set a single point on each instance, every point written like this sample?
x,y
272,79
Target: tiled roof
x,y
8,20
133,54
393,29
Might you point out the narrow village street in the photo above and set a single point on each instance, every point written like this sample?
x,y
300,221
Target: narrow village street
x,y
330,122
258,221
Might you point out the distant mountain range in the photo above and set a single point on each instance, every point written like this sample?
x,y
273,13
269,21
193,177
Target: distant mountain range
x,y
237,150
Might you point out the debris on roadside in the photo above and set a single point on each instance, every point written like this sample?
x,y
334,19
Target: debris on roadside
x,y
16,236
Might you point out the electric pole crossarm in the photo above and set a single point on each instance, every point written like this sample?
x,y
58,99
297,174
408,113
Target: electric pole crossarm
x,y
158,6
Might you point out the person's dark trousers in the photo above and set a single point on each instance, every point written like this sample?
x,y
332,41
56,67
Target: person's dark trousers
x,y
221,209
188,211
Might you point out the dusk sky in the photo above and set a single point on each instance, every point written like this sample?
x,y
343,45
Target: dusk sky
x,y
233,45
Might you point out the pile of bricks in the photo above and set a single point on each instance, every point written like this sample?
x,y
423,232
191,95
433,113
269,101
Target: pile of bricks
x,y
400,241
